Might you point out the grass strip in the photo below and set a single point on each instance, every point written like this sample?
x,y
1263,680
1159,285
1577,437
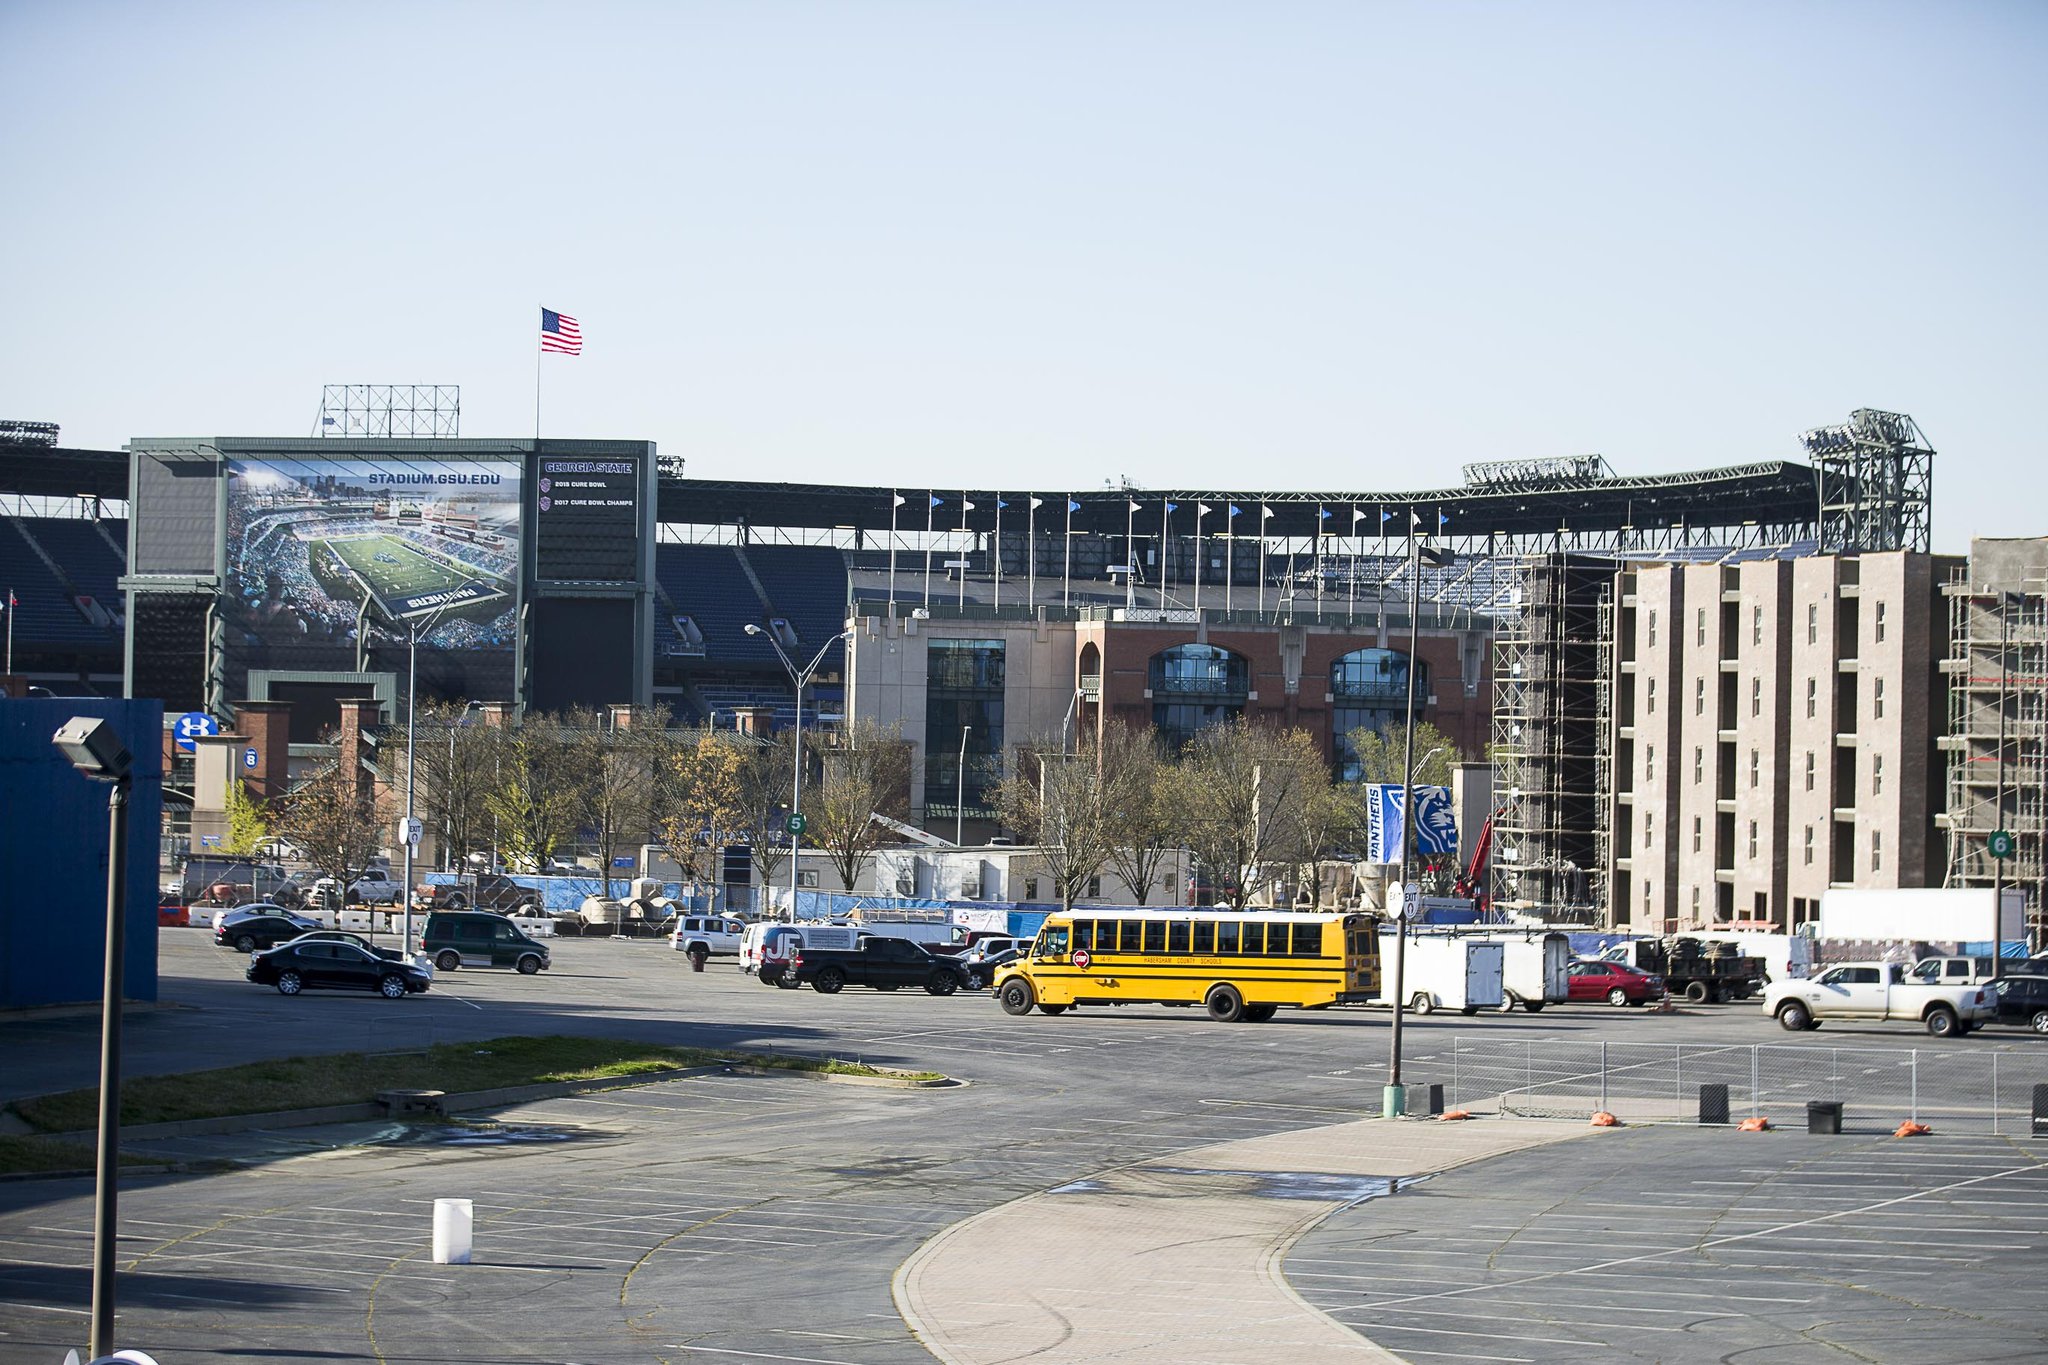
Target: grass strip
x,y
356,1077
26,1154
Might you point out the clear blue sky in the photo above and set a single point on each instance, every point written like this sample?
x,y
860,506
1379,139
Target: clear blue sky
x,y
1275,245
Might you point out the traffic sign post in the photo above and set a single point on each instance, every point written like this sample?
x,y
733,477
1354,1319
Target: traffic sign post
x,y
410,830
1999,845
796,824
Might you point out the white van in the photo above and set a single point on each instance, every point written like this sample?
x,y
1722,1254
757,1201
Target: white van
x,y
765,949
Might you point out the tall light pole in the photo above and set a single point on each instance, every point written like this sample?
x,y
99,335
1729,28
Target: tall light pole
x,y
960,789
96,750
1394,1101
409,836
801,677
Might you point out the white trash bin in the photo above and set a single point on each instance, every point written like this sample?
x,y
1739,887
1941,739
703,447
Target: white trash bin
x,y
453,1219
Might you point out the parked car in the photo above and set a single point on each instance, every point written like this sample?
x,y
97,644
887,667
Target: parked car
x,y
480,891
2023,1000
230,914
324,963
1953,971
346,936
478,938
254,932
1873,991
983,970
703,936
374,888
1615,982
884,963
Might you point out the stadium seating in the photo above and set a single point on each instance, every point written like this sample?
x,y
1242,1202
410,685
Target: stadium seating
x,y
806,585
47,616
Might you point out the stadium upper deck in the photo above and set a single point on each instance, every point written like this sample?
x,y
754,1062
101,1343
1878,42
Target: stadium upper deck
x,y
1772,502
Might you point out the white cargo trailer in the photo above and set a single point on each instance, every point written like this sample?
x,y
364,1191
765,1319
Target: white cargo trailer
x,y
1442,971
1535,968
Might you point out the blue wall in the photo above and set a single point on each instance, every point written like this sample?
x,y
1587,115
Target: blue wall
x,y
53,855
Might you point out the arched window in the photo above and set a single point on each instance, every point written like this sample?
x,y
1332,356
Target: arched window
x,y
1195,687
1369,690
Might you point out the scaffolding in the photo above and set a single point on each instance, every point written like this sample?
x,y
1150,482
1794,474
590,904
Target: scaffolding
x,y
1997,742
1553,746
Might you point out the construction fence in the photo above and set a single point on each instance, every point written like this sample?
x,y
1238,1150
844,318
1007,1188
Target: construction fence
x,y
1985,1089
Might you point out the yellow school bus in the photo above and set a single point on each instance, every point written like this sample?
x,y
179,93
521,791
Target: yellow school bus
x,y
1238,965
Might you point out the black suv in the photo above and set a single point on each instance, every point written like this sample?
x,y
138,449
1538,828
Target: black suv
x,y
2023,1000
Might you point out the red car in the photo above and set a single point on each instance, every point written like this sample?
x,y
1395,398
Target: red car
x,y
1614,982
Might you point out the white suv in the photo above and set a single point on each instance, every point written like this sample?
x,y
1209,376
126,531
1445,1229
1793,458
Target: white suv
x,y
705,935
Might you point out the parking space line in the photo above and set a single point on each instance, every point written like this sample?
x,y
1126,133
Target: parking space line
x,y
1447,1332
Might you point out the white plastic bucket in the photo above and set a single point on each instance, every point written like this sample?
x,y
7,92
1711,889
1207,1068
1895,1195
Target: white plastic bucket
x,y
453,1220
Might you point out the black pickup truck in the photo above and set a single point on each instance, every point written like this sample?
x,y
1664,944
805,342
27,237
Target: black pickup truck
x,y
884,963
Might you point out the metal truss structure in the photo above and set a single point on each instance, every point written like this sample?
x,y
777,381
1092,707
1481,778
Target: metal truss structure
x,y
379,410
1876,480
1553,740
1997,740
1536,473
28,433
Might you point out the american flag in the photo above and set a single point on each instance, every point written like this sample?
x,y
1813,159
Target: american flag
x,y
559,332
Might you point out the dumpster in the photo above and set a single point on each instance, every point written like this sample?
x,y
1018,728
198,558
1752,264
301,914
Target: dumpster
x,y
1824,1116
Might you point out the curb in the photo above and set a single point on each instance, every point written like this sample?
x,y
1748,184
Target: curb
x,y
479,1099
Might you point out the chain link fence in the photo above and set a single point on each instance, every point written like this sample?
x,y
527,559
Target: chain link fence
x,y
1989,1090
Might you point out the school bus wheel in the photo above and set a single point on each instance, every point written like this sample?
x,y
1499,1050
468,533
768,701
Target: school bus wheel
x,y
1016,996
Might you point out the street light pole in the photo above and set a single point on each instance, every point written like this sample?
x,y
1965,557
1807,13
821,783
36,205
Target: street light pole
x,y
1394,1101
800,677
960,789
96,750
412,698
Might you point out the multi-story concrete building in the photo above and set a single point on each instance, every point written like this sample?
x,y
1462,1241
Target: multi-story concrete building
x,y
1775,731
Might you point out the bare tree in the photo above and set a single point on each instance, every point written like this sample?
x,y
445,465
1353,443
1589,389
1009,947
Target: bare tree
x,y
1332,816
1138,803
765,776
699,800
614,775
333,818
1060,802
535,797
1382,752
458,761
866,772
1239,790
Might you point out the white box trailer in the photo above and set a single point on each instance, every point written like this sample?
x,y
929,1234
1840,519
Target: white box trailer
x,y
1958,915
1442,971
1535,968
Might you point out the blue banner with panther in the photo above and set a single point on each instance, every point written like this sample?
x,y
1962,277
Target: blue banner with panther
x,y
1436,824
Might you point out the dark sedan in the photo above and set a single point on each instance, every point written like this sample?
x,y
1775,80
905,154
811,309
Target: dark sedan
x,y
344,936
2023,1000
254,932
330,964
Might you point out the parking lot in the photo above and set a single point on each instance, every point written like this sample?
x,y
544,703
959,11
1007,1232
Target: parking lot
x,y
761,1218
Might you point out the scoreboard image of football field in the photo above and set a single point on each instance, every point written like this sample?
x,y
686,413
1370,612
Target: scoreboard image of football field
x,y
405,582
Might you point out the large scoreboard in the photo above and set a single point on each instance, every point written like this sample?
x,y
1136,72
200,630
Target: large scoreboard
x,y
519,570
587,520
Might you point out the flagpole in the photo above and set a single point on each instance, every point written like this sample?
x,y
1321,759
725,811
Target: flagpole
x,y
1229,555
995,562
895,501
1067,565
931,500
536,385
1201,510
10,632
1165,552
1264,512
1031,554
965,508
1130,553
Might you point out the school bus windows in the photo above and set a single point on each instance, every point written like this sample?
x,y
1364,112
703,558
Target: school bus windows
x,y
1177,936
1056,942
1132,935
1205,938
1226,935
1308,940
1084,935
1155,936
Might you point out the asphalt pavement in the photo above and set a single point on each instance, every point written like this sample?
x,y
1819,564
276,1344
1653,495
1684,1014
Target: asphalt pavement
x,y
742,1218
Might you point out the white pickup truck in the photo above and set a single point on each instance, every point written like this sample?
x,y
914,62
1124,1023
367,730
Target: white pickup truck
x,y
1879,991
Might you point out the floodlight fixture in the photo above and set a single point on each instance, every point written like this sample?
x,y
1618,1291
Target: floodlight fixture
x,y
95,748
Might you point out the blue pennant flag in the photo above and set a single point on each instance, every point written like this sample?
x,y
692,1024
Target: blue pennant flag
x,y
1436,824
1172,507
1322,514
936,499
1385,516
1234,509
1442,519
1000,504
1073,506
